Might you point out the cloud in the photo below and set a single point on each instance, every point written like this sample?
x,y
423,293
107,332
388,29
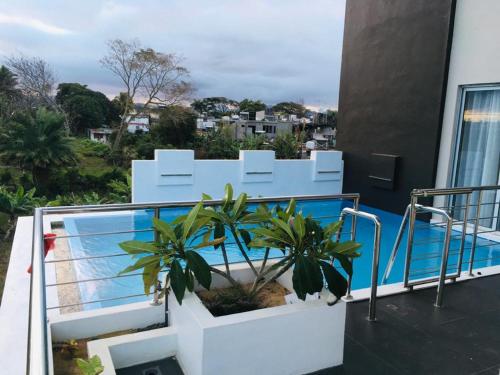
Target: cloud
x,y
33,23
274,50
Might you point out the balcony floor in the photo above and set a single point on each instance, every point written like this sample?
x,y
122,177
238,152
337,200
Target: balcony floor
x,y
411,336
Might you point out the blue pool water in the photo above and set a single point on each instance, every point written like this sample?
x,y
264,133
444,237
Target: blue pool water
x,y
426,253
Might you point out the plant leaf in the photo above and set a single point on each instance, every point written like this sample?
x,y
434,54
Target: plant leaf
x,y
246,236
299,226
141,263
239,205
216,242
206,197
165,229
290,209
138,247
337,284
190,219
284,226
150,275
348,248
200,268
307,277
177,281
332,228
345,262
189,279
228,197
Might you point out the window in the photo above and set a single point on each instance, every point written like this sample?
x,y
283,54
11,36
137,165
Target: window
x,y
477,154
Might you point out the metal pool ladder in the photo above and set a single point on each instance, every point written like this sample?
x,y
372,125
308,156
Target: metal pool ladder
x,y
376,256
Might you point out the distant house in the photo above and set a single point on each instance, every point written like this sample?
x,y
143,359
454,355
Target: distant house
x,y
270,129
137,123
100,134
205,123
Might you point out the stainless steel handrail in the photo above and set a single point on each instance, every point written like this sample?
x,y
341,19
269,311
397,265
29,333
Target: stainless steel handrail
x,y
395,247
38,338
376,255
464,221
38,357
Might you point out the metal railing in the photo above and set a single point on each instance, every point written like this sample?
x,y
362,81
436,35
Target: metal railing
x,y
372,305
462,211
38,339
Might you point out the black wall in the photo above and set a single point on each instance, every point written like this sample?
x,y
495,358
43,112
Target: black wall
x,y
393,80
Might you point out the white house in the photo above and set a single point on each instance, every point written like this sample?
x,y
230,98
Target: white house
x,y
138,123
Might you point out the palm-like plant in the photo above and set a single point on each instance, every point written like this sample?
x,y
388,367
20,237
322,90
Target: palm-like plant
x,y
36,144
307,247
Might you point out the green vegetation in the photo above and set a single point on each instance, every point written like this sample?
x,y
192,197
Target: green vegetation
x,y
92,366
308,248
290,108
248,105
35,143
86,108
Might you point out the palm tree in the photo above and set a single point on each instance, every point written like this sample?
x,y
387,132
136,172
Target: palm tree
x,y
36,144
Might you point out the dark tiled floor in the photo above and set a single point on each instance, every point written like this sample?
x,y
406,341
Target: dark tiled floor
x,y
168,366
411,336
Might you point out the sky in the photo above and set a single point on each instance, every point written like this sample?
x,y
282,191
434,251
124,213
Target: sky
x,y
273,50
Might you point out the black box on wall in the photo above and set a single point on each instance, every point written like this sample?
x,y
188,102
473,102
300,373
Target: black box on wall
x,y
383,170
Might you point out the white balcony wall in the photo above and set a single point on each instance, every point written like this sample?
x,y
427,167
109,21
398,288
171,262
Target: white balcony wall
x,y
174,175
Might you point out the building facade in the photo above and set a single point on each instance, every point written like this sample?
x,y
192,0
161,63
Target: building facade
x,y
419,102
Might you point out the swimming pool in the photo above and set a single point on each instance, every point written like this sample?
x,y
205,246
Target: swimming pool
x,y
426,253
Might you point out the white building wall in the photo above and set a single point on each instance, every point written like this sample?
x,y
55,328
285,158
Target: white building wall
x,y
175,175
475,59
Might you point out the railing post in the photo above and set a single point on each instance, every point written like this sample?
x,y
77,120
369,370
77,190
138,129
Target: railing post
x,y
474,238
409,245
464,235
156,216
444,262
375,265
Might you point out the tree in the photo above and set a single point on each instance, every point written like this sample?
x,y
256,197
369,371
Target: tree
x,y
121,102
177,126
290,108
36,80
8,91
247,105
8,83
35,143
286,146
85,108
216,106
155,76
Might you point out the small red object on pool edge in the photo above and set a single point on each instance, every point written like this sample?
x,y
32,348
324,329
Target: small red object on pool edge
x,y
49,240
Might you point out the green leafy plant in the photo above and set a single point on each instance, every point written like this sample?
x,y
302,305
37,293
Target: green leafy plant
x,y
93,366
308,247
17,203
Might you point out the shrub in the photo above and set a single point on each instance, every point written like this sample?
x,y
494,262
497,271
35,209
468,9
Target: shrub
x,y
286,146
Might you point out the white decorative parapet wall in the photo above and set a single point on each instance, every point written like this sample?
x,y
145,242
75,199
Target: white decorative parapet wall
x,y
174,175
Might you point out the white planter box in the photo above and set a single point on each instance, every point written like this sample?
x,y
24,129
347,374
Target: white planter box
x,y
289,339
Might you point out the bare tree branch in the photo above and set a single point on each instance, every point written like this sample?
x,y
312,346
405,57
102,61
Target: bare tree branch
x,y
37,82
156,76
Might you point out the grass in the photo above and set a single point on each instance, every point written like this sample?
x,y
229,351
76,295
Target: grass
x,y
91,156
